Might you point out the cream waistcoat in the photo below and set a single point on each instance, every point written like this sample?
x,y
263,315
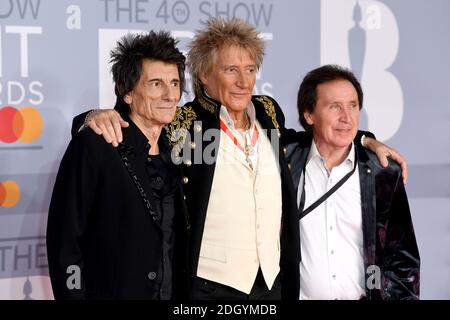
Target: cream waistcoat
x,y
243,220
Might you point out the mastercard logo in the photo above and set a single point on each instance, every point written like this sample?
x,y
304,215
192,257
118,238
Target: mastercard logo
x,y
23,125
9,194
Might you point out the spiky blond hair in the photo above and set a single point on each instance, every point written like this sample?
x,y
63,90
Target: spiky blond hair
x,y
219,34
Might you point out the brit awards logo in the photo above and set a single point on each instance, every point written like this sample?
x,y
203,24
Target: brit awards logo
x,y
20,120
363,36
21,123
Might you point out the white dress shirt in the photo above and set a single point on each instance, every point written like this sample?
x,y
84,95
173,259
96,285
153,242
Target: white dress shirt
x,y
247,134
331,237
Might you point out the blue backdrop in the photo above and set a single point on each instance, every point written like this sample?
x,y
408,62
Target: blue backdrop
x,y
54,65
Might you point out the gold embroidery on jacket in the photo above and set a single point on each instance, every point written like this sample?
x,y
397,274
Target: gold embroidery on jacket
x,y
207,105
178,129
270,110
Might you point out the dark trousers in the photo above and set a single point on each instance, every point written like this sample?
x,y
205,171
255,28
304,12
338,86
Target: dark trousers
x,y
203,289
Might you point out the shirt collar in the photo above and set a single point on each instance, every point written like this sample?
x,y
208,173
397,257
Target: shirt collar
x,y
135,139
314,154
251,112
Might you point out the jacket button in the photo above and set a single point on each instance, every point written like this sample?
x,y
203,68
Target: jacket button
x,y
289,166
284,150
197,128
152,275
278,133
188,162
185,180
193,145
369,171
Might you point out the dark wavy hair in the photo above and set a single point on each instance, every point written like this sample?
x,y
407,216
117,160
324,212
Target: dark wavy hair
x,y
307,94
129,53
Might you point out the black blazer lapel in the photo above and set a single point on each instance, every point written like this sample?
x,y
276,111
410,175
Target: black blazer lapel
x,y
135,148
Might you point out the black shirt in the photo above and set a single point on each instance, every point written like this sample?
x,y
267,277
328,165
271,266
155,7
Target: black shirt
x,y
164,177
164,180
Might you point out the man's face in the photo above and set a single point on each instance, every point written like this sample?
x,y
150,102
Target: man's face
x,y
335,118
154,98
231,78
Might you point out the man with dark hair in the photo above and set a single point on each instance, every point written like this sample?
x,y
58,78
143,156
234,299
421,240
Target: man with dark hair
x,y
117,225
356,234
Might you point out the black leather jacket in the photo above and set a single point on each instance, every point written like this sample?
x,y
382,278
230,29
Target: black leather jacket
x,y
389,240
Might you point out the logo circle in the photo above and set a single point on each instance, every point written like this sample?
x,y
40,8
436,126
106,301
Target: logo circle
x,y
32,126
9,193
24,124
11,124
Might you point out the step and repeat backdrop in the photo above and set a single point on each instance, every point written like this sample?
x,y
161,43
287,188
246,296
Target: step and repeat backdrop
x,y
54,65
